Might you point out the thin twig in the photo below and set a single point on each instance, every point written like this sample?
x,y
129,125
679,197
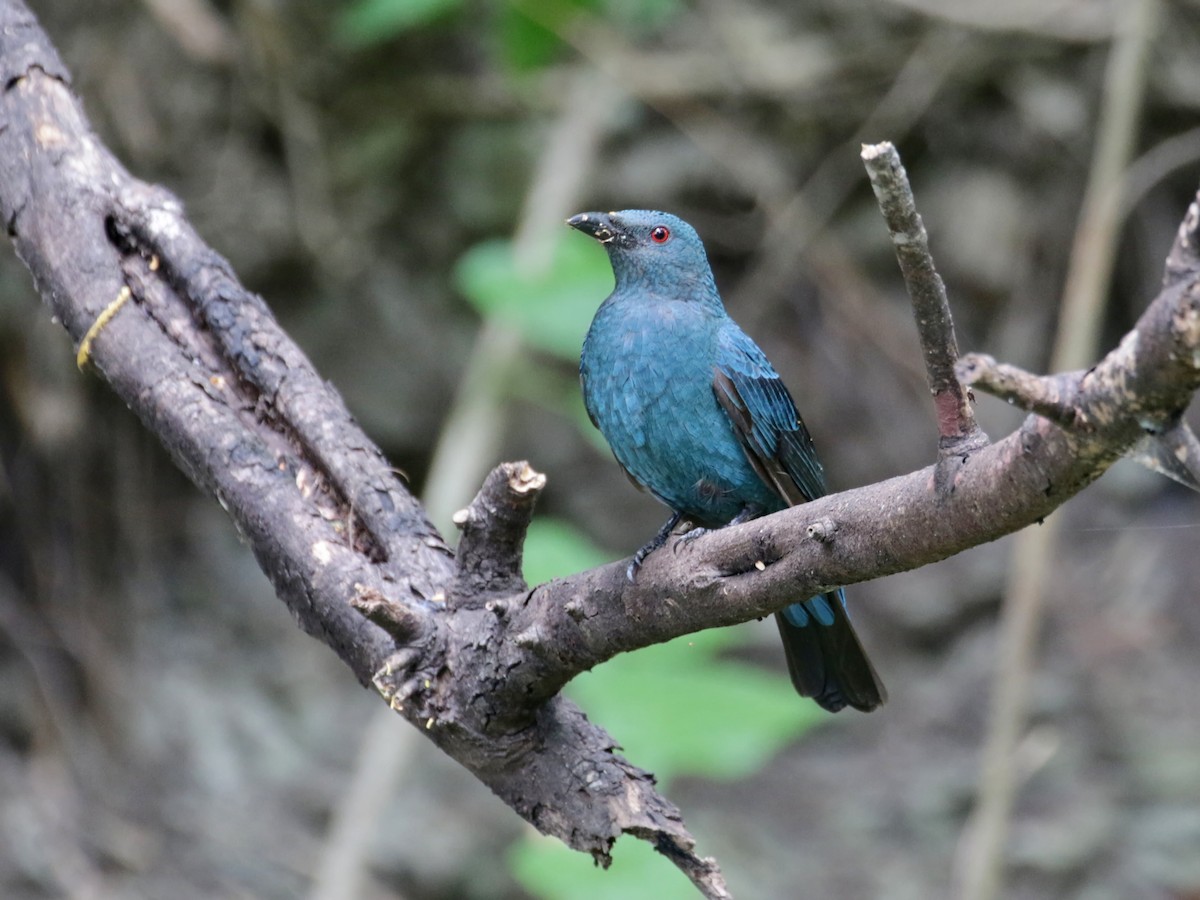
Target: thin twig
x,y
957,430
1052,396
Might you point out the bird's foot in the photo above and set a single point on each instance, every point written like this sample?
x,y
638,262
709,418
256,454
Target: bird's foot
x,y
640,557
657,541
747,513
688,536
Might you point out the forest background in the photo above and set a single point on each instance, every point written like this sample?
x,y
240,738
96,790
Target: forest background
x,y
392,177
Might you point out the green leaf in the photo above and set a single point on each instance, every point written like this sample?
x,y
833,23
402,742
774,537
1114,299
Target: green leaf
x,y
526,44
549,869
531,31
368,22
550,307
681,709
555,547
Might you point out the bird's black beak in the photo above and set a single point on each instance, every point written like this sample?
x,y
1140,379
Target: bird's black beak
x,y
598,225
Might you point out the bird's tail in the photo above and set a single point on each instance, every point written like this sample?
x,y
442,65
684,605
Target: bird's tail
x,y
824,656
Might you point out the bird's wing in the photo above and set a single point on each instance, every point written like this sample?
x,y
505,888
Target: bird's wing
x,y
764,418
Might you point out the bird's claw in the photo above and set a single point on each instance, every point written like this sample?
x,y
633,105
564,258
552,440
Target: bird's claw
x,y
688,536
640,557
634,565
658,540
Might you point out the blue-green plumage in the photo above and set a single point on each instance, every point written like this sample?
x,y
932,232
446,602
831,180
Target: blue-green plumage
x,y
695,413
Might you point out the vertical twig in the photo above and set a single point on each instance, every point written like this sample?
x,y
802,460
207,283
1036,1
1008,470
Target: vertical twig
x,y
1080,322
958,432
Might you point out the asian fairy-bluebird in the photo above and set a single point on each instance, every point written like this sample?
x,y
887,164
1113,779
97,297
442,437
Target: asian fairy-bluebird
x,y
696,415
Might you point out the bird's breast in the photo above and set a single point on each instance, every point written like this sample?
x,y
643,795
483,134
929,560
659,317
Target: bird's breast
x,y
647,379
642,370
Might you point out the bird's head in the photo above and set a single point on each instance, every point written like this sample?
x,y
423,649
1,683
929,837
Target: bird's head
x,y
650,248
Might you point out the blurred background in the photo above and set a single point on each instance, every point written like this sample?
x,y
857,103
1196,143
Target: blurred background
x,y
392,176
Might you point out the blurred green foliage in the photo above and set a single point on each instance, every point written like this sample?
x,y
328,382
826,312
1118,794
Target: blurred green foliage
x,y
527,33
554,547
368,22
681,708
549,305
548,869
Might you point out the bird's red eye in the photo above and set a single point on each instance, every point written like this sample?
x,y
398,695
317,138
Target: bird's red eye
x,y
660,234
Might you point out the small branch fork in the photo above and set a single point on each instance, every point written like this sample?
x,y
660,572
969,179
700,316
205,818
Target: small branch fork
x,y
462,648
1122,385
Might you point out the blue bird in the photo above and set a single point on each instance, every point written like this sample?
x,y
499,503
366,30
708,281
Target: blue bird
x,y
696,415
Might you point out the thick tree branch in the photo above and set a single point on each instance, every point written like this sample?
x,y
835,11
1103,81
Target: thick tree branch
x,y
465,651
240,409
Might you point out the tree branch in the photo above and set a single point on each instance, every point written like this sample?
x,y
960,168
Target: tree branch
x,y
465,651
240,409
958,433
